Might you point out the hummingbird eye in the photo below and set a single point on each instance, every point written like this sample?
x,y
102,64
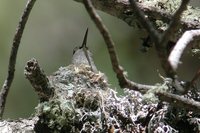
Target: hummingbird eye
x,y
75,49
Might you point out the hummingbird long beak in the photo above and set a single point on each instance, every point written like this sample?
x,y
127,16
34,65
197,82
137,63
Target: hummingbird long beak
x,y
84,40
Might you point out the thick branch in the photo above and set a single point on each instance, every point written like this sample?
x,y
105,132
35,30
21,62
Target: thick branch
x,y
187,38
153,9
13,55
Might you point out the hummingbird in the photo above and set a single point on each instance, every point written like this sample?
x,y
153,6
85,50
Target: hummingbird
x,y
82,55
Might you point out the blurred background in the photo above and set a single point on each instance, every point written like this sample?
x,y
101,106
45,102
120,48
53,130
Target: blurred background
x,y
54,28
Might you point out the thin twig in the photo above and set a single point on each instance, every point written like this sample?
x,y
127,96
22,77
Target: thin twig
x,y
161,47
13,55
155,36
161,41
123,81
136,86
179,101
145,22
187,38
104,32
174,24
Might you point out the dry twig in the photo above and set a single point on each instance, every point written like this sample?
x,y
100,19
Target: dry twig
x,y
13,55
123,81
174,23
155,36
161,41
179,101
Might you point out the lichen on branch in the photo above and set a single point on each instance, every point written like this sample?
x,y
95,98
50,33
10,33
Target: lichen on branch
x,y
159,12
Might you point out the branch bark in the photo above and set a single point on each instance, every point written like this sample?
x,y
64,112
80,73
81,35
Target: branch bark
x,y
13,55
154,10
38,79
187,39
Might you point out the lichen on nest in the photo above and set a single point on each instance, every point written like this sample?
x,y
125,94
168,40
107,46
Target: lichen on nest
x,y
84,102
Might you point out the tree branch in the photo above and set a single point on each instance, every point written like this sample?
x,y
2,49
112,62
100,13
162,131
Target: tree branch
x,y
38,80
187,38
169,33
161,41
178,101
152,9
145,22
13,55
174,23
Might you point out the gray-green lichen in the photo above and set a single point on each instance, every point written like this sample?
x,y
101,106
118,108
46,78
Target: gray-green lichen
x,y
170,7
78,91
57,115
167,5
150,95
83,102
159,12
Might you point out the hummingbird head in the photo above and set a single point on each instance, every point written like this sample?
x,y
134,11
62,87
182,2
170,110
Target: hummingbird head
x,y
83,44
82,55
